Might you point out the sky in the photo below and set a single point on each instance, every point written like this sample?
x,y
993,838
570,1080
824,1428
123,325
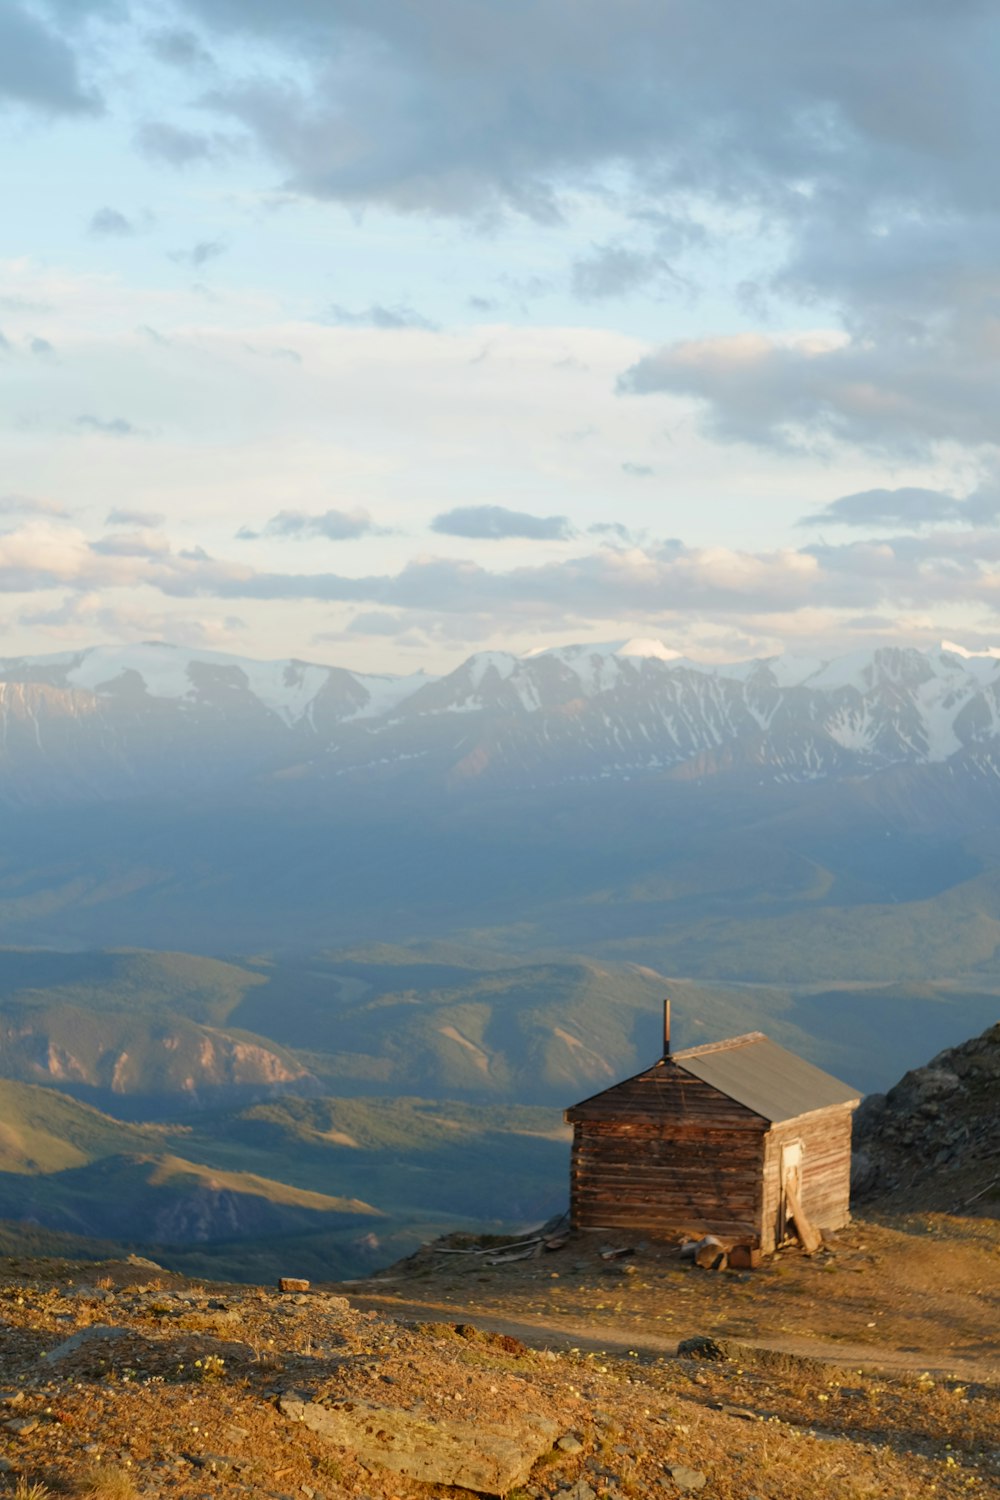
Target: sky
x,y
378,332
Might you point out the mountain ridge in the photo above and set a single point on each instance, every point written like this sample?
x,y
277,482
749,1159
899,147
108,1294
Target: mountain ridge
x,y
153,718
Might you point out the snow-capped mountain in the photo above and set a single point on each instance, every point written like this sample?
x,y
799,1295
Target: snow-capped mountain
x,y
113,720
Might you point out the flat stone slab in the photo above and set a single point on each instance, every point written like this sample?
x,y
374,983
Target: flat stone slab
x,y
472,1455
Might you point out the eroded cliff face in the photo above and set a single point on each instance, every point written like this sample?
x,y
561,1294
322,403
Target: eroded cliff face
x,y
113,1059
933,1140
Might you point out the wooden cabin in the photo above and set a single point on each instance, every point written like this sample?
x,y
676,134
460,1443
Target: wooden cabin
x,y
727,1139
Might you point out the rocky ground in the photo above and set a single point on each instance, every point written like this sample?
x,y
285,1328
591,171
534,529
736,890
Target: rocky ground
x,y
119,1380
933,1142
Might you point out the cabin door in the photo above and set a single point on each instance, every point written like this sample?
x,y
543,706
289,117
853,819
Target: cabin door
x,y
791,1169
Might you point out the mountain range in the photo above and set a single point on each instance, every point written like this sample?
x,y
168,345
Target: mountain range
x,y
152,717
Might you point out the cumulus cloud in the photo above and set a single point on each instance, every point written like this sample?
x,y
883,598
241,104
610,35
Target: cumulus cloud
x,y
496,522
331,525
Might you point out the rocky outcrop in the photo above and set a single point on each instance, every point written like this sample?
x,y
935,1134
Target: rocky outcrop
x,y
934,1140
107,1059
475,1456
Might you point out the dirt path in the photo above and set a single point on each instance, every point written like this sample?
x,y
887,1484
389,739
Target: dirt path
x,y
566,1333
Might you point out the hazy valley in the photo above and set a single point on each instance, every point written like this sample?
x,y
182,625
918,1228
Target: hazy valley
x,y
420,917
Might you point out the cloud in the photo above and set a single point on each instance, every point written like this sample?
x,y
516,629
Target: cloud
x,y
774,591
767,108
614,530
841,156
378,622
126,516
892,396
38,68
332,525
30,505
175,147
41,348
108,221
378,316
111,427
912,508
638,471
616,270
199,254
91,613
132,544
496,522
277,351
178,47
908,506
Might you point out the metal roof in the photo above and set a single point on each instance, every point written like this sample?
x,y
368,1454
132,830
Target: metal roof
x,y
764,1077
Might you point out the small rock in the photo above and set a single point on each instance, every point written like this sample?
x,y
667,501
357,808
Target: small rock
x,y
21,1426
702,1346
11,1398
569,1443
292,1284
215,1463
579,1491
687,1480
5,1466
335,1304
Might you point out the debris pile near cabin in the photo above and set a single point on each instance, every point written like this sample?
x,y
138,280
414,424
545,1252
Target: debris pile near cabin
x,y
933,1142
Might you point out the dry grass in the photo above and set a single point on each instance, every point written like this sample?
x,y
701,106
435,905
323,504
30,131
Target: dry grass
x,y
25,1489
106,1482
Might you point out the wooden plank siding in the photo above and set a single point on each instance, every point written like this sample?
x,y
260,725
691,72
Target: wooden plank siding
x,y
666,1153
668,1181
825,1172
665,1092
